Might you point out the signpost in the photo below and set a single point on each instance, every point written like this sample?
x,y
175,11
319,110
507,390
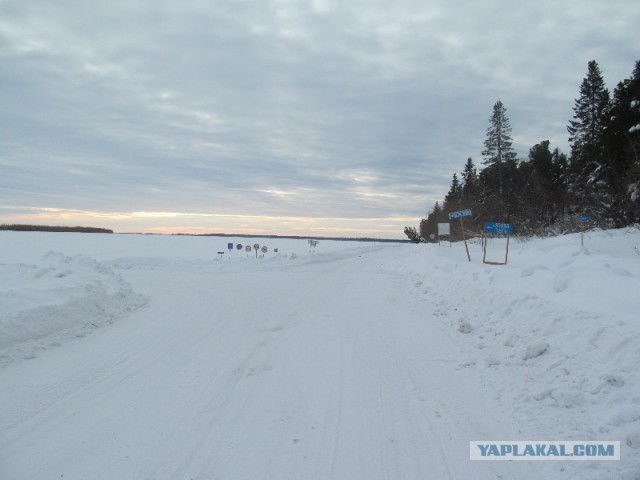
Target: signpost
x,y
498,228
495,228
461,215
444,230
584,219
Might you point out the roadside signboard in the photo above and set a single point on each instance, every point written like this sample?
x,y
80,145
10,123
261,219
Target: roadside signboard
x,y
229,246
460,214
584,218
444,229
495,228
265,249
239,246
498,228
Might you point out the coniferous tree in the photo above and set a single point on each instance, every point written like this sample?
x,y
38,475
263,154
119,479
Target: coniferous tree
x,y
537,206
453,199
498,148
634,146
560,169
423,230
412,234
429,226
469,183
587,162
622,140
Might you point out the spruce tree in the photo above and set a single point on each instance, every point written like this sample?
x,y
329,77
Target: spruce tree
x,y
634,146
589,119
622,141
588,164
498,148
469,183
495,199
453,199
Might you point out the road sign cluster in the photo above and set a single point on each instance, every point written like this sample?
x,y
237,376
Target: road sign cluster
x,y
248,248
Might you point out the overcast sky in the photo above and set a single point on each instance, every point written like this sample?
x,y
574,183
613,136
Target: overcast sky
x,y
289,117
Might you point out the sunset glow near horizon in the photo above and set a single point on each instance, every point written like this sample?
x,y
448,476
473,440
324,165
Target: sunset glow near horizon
x,y
206,223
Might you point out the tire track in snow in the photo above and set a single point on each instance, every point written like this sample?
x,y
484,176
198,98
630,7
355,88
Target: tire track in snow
x,y
317,372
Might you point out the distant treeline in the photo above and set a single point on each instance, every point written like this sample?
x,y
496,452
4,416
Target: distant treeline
x,y
48,228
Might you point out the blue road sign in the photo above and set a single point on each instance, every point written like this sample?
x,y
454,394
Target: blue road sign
x,y
584,218
460,214
499,228
230,246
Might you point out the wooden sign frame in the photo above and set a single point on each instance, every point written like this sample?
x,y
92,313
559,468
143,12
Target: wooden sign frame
x,y
485,241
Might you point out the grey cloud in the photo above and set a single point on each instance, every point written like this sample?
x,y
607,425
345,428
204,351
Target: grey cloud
x,y
277,107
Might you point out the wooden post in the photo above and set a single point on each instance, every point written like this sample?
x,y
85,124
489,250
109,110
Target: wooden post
x,y
506,254
464,237
484,247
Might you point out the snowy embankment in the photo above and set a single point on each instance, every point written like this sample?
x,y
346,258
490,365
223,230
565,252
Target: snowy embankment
x,y
58,298
358,361
556,332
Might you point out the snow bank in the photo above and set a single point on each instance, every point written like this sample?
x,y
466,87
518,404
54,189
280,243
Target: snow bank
x,y
59,298
555,333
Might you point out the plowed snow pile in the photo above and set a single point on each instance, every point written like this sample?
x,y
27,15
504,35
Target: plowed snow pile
x,y
59,298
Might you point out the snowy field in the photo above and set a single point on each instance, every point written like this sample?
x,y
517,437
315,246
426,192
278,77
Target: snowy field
x,y
153,357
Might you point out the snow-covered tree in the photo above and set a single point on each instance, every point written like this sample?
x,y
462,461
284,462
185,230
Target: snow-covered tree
x,y
622,141
588,163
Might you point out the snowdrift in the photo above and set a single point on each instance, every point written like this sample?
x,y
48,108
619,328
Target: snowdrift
x,y
59,298
556,332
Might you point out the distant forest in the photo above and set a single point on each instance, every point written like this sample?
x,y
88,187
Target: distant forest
x,y
549,193
47,228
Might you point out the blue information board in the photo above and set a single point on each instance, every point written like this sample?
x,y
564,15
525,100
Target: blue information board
x,y
584,218
460,214
499,228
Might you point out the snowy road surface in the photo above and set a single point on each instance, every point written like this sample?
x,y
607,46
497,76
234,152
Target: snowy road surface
x,y
344,365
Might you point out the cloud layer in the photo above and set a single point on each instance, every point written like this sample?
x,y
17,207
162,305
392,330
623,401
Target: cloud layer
x,y
282,109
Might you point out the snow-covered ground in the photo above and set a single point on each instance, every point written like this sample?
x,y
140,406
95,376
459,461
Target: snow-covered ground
x,y
153,357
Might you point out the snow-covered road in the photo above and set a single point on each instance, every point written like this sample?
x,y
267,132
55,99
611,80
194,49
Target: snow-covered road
x,y
344,365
